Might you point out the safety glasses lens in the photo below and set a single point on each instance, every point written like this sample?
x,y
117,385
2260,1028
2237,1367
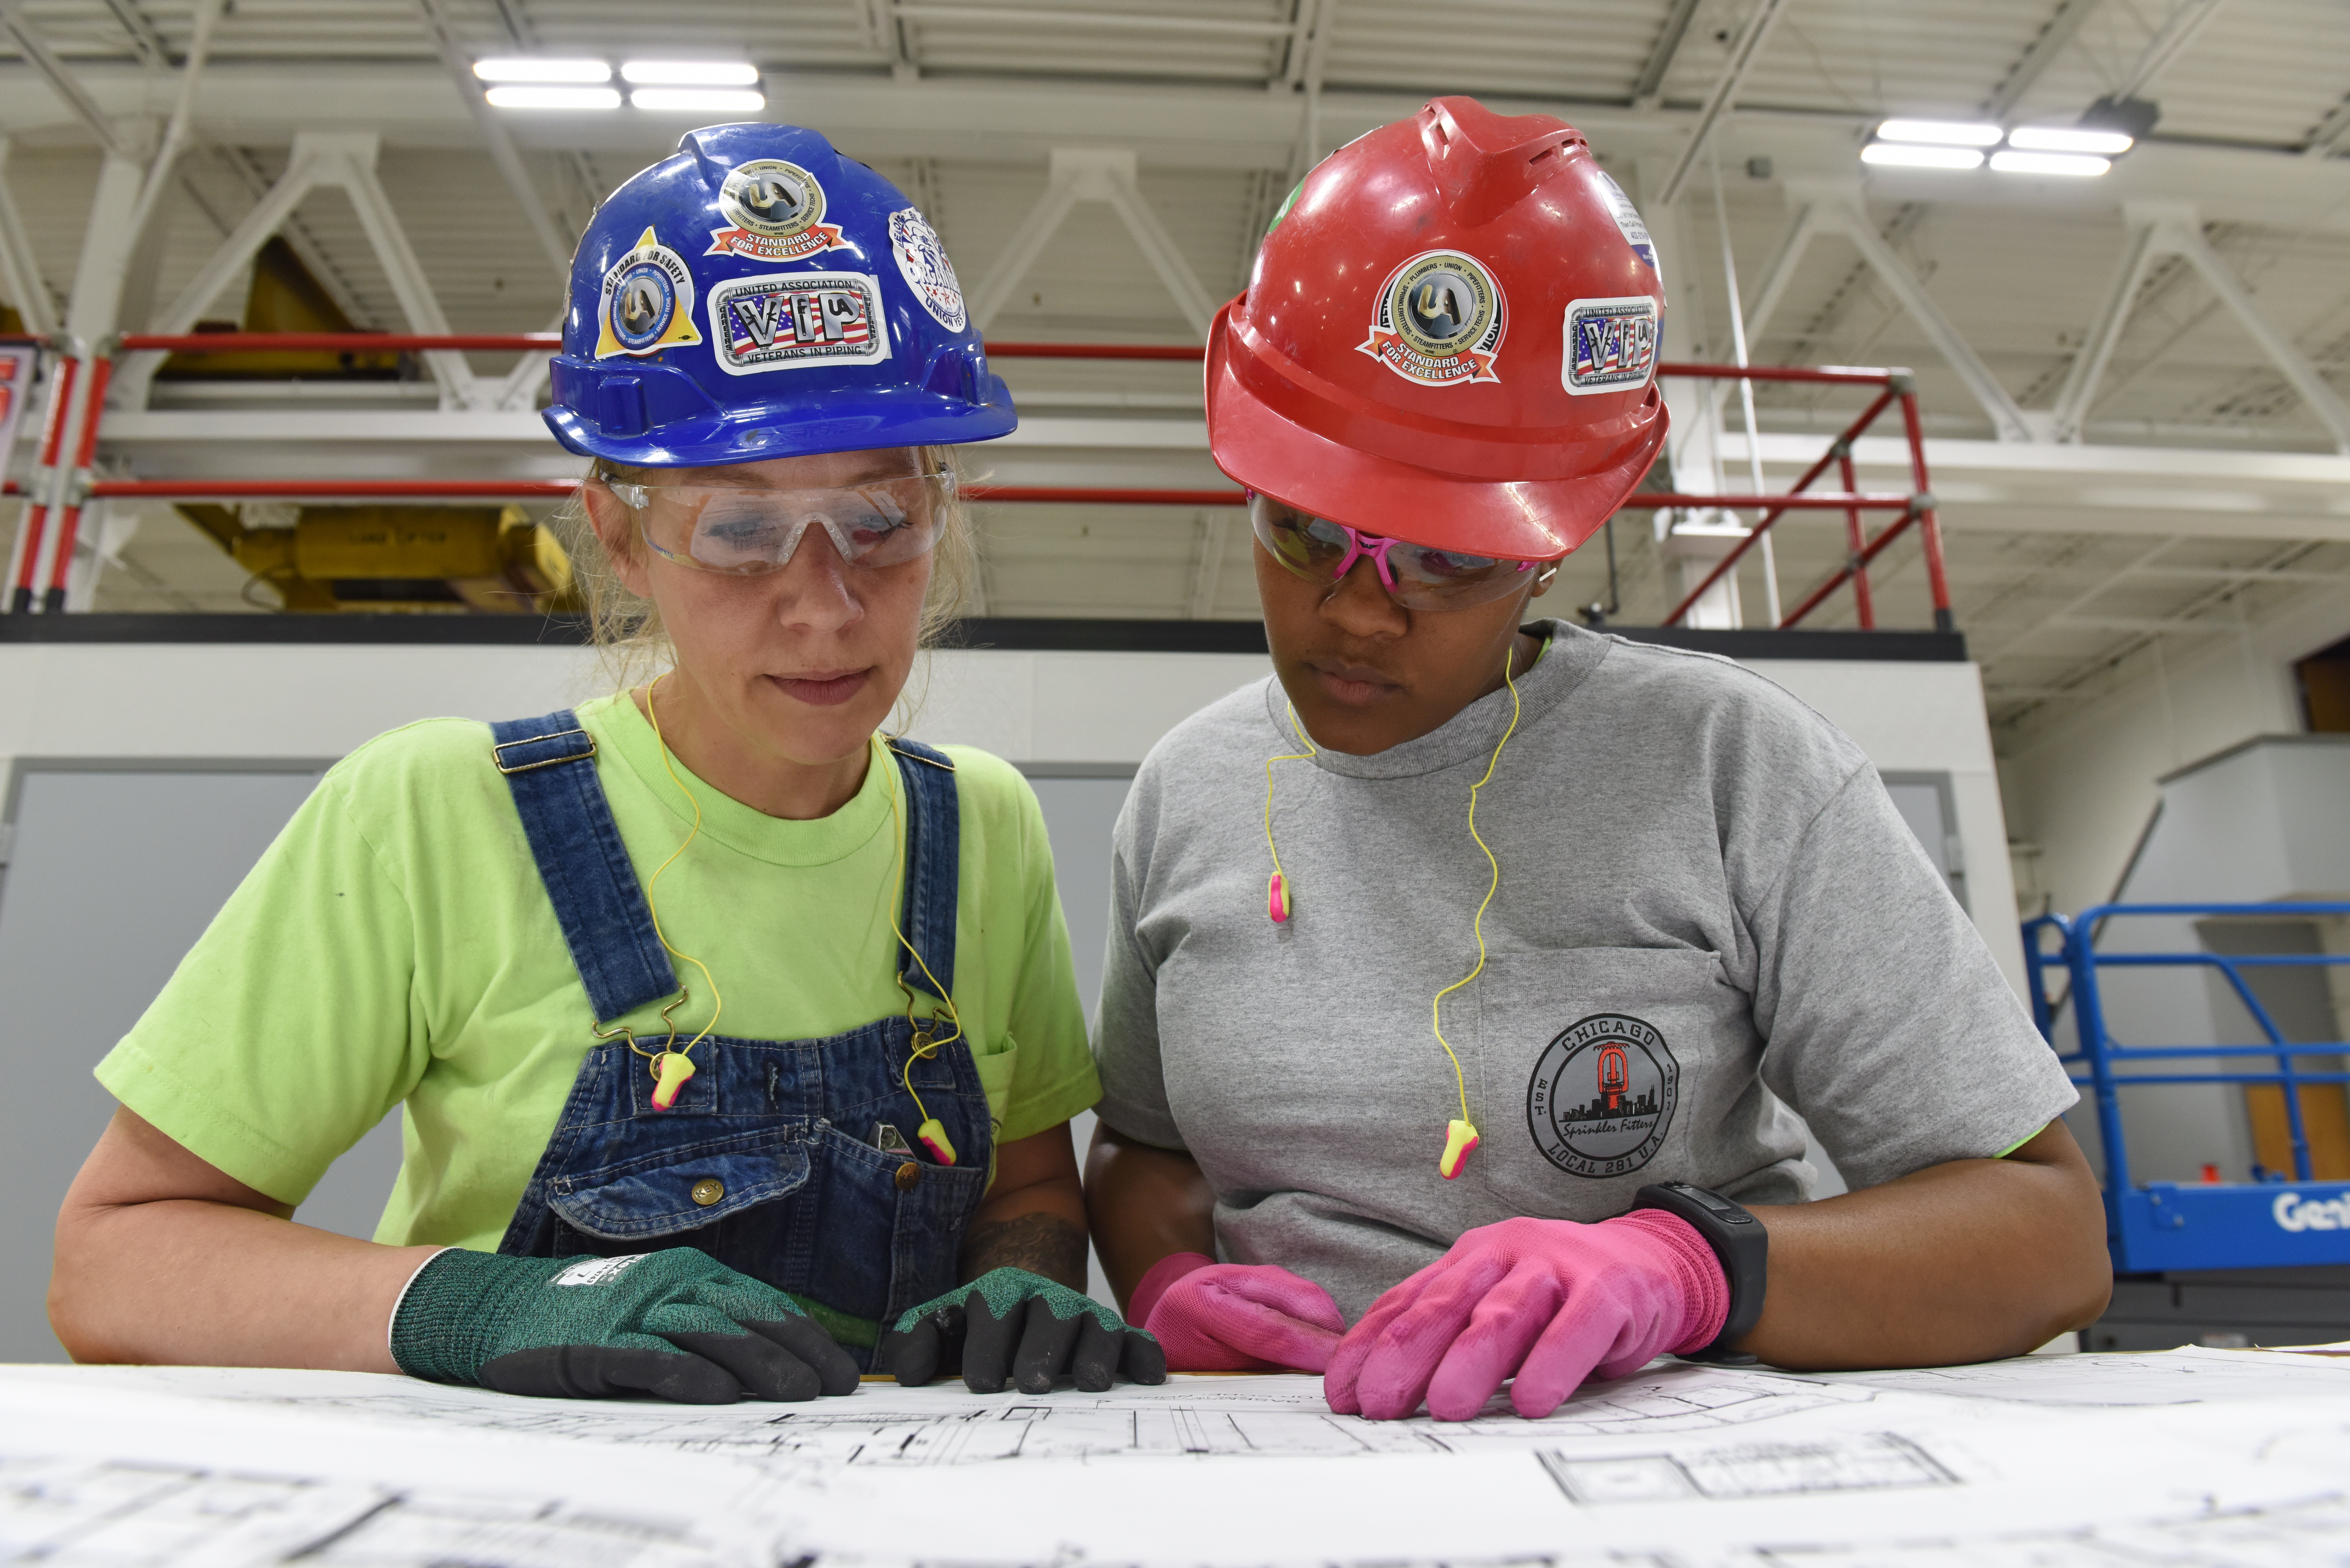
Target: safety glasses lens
x,y
743,530
1420,576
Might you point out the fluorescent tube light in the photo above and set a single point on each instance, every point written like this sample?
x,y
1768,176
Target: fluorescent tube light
x,y
519,69
554,98
696,100
1943,132
2067,139
690,73
2070,164
1907,156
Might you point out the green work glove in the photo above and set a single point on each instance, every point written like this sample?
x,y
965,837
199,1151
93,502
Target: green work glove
x,y
675,1323
1011,1324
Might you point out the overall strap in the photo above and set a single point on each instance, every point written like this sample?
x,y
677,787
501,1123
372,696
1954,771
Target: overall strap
x,y
933,865
550,763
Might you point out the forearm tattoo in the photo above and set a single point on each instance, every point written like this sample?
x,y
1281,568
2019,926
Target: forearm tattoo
x,y
1042,1244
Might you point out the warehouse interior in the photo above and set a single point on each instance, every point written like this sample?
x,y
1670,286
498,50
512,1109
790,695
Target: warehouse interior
x,y
2095,632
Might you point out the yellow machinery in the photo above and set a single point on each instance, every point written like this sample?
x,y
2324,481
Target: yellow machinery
x,y
427,558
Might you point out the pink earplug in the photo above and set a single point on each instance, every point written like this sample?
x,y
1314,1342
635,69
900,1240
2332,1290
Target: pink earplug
x,y
670,1070
1460,1142
933,1136
1276,898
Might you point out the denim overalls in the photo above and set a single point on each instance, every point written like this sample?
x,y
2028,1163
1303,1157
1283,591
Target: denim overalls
x,y
771,1158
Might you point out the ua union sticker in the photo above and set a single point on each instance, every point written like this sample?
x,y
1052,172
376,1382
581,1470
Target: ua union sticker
x,y
775,212
647,302
1439,321
1611,345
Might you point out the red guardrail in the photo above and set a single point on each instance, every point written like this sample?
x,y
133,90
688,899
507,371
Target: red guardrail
x,y
65,492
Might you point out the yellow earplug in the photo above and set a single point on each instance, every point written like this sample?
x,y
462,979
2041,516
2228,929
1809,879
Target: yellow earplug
x,y
933,1136
670,1070
1460,1141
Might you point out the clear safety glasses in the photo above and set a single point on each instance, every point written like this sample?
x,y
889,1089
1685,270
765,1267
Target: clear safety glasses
x,y
745,531
1417,577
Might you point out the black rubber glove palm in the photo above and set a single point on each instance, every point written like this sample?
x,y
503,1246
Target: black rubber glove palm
x,y
675,1323
1011,1325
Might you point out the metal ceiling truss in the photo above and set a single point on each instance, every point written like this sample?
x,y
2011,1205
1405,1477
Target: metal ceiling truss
x,y
1104,174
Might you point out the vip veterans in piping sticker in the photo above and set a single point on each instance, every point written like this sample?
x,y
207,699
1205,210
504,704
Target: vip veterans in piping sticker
x,y
784,321
647,302
777,213
1602,1095
922,263
1611,343
1440,320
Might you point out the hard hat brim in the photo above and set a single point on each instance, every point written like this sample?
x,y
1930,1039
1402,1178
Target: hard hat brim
x,y
1524,519
824,422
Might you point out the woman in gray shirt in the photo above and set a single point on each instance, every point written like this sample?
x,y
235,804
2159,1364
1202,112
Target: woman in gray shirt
x,y
1462,974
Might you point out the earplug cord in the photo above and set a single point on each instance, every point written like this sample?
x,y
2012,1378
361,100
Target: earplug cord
x,y
1436,1008
1280,881
717,1004
922,1051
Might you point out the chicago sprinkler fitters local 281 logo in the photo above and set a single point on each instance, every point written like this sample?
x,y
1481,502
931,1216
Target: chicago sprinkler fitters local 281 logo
x,y
1602,1095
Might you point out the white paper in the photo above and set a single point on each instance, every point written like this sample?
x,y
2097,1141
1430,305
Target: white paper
x,y
1678,1467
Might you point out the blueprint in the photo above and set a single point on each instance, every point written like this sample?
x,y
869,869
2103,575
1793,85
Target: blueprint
x,y
2189,1459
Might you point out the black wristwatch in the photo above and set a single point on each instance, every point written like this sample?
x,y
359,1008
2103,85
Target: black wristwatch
x,y
1742,1244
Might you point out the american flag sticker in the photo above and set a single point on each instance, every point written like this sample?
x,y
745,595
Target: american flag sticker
x,y
793,320
1611,343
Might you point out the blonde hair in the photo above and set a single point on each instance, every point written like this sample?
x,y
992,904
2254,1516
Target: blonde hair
x,y
627,631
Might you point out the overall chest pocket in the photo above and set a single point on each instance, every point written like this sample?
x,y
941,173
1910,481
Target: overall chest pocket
x,y
674,1190
1600,1070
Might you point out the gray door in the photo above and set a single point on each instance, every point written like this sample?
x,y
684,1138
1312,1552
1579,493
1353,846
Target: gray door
x,y
113,871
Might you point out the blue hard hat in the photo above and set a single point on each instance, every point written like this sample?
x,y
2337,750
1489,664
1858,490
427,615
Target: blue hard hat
x,y
758,295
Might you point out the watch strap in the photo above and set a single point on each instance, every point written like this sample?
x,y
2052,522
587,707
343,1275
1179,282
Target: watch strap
x,y
1741,1244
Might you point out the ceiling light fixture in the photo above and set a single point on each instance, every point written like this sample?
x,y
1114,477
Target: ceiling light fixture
x,y
695,100
1941,132
518,70
554,98
690,73
2069,165
1907,155
2068,139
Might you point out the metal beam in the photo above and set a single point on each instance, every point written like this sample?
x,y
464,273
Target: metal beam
x,y
1113,21
2170,41
551,238
2183,234
2330,132
1215,530
1743,56
2088,369
2060,30
19,26
1651,81
20,269
1094,174
145,41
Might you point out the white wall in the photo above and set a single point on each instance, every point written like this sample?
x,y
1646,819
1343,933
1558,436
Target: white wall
x,y
246,700
2082,788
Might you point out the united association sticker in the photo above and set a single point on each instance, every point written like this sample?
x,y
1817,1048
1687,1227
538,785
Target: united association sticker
x,y
1628,220
1611,343
793,320
774,211
1440,320
647,304
1602,1095
922,263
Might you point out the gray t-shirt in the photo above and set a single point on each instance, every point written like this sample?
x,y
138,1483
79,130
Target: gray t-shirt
x,y
1708,907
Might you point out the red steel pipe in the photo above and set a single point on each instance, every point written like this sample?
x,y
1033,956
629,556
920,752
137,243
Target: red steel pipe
x,y
101,370
524,489
1779,505
36,515
1825,501
1098,351
1929,528
1837,579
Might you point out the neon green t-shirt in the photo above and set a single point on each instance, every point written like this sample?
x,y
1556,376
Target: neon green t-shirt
x,y
395,945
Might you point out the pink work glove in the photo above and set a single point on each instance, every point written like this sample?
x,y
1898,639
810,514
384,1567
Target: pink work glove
x,y
1546,1301
1235,1317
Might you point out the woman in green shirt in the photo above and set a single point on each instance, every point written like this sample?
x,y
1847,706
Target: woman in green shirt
x,y
737,1043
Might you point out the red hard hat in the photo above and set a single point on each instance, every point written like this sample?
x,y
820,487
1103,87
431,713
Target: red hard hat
x,y
1450,337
